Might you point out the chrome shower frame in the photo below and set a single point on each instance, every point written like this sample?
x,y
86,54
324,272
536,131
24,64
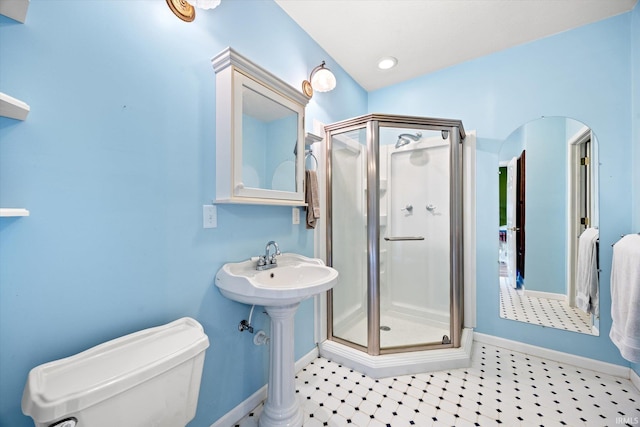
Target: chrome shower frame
x,y
372,124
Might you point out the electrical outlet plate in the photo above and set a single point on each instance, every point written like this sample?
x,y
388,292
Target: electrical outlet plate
x,y
295,216
209,216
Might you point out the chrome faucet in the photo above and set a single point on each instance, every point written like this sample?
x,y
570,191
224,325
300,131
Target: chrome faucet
x,y
268,260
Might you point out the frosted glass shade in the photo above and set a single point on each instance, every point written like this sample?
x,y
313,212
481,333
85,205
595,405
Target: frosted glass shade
x,y
323,80
204,4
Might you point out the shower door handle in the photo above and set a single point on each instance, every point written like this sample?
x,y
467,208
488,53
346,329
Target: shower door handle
x,y
403,238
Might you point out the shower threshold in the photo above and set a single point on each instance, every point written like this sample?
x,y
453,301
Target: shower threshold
x,y
396,330
388,365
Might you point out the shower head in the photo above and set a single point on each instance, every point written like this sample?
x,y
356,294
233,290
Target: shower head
x,y
402,142
406,138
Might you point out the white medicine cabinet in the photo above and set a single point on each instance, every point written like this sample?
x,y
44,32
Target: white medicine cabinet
x,y
259,134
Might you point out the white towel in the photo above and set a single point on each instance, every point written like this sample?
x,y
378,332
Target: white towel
x,y
625,297
587,272
312,197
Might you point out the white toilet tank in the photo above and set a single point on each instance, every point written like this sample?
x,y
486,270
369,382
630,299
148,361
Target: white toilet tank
x,y
150,378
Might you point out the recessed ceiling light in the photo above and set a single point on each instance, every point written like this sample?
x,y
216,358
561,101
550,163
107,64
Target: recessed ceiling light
x,y
387,62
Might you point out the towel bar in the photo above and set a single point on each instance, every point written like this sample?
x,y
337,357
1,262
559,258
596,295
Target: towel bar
x,y
308,153
403,238
621,236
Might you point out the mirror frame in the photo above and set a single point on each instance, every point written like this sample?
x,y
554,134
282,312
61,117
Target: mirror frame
x,y
233,72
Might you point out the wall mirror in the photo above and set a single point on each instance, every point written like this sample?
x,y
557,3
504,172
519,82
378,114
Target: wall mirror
x,y
548,230
259,134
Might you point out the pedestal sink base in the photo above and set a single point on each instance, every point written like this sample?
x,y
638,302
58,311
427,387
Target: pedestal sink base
x,y
282,408
293,420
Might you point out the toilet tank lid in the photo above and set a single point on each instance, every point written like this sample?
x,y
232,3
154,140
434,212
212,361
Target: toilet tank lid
x,y
85,379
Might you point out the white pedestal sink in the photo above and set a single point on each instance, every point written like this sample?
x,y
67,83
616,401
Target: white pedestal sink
x,y
280,290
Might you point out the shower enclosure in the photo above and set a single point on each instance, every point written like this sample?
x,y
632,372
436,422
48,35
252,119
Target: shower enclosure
x,y
394,233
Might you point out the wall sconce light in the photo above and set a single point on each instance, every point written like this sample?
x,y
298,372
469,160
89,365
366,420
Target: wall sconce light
x,y
185,9
320,80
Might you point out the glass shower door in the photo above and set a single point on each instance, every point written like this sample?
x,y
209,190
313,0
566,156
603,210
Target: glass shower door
x,y
395,233
349,236
414,238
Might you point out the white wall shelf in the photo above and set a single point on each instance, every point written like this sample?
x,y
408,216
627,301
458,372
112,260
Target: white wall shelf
x,y
12,107
13,212
9,106
311,138
14,9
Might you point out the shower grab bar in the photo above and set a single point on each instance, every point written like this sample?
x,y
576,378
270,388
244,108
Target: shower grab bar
x,y
403,238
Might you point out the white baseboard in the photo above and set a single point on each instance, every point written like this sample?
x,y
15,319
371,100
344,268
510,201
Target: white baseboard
x,y
547,295
635,379
558,356
249,404
244,408
413,362
307,358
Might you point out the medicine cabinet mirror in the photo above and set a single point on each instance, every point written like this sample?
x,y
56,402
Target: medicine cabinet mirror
x,y
259,134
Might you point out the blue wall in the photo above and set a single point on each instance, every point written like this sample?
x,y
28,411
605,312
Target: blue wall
x,y
254,152
114,162
584,74
117,157
282,133
546,205
512,145
635,58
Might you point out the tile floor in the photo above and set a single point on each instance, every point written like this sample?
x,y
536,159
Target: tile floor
x,y
501,387
541,311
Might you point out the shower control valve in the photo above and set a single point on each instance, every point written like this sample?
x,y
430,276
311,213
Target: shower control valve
x,y
408,208
431,208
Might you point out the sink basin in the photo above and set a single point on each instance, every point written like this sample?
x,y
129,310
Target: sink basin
x,y
294,279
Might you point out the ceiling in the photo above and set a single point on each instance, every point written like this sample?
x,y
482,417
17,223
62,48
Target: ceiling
x,y
429,35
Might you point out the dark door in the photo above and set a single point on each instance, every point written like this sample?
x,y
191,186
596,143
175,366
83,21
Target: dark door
x,y
520,216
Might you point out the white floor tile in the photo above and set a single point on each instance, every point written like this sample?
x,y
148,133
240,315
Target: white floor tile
x,y
541,311
501,388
